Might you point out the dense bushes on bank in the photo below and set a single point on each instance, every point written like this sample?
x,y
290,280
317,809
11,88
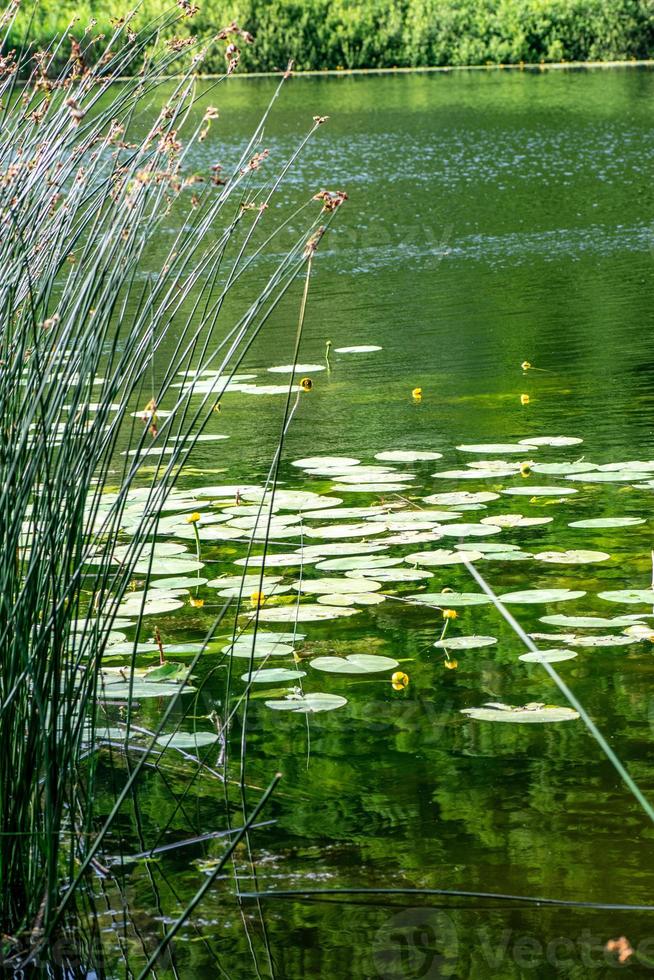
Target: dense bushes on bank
x,y
386,33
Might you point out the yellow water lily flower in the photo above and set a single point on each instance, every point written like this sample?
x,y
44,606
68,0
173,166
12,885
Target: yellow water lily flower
x,y
524,399
450,614
196,603
399,680
257,598
193,518
417,394
306,384
525,469
451,664
525,365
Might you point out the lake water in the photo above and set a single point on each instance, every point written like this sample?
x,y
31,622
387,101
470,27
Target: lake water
x,y
493,218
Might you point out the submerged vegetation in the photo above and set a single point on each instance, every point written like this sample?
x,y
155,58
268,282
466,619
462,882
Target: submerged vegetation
x,y
321,34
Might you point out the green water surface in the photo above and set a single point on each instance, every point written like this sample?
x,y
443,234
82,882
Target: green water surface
x,y
492,219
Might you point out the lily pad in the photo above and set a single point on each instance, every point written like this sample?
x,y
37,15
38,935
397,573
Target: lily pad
x,y
265,520
346,513
556,441
641,466
473,474
508,556
179,582
539,491
608,522
406,456
446,600
571,557
361,349
458,497
128,648
534,713
515,520
351,599
141,689
307,613
465,642
272,675
152,606
607,640
355,663
500,448
246,582
286,560
640,631
412,537
563,469
353,562
265,389
331,586
614,476
586,622
315,551
296,368
547,656
441,556
242,649
629,596
486,547
345,530
468,530
379,478
309,462
494,465
394,574
371,487
168,566
187,741
418,518
293,499
307,703
540,595
268,636
238,592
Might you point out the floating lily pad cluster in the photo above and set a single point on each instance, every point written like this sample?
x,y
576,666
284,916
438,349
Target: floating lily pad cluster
x,y
343,536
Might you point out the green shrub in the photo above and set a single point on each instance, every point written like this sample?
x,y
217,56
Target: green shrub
x,y
384,33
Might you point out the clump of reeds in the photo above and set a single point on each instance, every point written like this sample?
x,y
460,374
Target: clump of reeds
x,y
83,194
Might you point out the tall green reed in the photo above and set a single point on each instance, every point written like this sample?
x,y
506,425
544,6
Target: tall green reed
x,y
84,193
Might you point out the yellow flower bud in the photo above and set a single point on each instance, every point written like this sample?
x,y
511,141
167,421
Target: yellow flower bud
x,y
306,384
417,394
450,614
524,399
193,518
399,680
451,664
525,469
257,598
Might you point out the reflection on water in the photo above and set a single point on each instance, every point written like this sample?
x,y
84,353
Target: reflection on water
x,y
492,219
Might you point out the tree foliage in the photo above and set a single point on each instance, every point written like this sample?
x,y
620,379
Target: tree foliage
x,y
320,34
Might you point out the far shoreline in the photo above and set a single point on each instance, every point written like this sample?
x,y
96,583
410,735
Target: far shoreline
x,y
531,67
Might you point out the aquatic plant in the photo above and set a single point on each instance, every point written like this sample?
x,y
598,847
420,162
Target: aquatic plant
x,y
100,310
